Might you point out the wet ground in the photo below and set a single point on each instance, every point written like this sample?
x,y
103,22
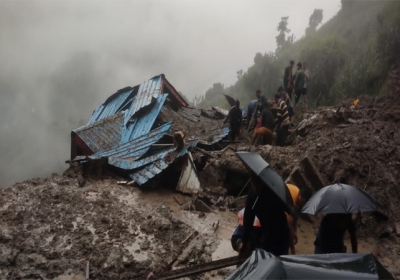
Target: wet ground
x,y
51,229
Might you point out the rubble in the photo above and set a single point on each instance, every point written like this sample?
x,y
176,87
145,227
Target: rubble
x,y
55,226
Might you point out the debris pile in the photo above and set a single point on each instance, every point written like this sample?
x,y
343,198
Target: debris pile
x,y
52,227
92,220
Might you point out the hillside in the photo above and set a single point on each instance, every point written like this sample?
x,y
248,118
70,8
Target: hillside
x,y
86,221
348,56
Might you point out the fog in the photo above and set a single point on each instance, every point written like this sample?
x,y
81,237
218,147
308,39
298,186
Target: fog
x,y
59,60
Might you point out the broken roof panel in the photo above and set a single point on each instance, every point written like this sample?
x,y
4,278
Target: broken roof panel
x,y
143,175
136,148
191,121
147,91
158,162
111,106
141,125
102,135
189,181
129,164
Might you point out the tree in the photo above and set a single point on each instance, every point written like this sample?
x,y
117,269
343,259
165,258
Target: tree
x,y
314,21
281,41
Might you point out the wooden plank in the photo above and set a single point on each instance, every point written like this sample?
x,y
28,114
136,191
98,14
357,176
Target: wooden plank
x,y
205,153
178,200
187,238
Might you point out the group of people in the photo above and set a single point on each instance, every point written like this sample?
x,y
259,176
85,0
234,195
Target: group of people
x,y
264,224
264,116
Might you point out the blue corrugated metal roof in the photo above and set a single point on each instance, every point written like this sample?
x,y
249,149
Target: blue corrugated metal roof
x,y
134,149
158,163
128,164
108,109
143,175
141,125
147,91
102,135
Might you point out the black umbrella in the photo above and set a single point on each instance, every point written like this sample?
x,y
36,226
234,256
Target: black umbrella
x,y
267,174
340,198
230,99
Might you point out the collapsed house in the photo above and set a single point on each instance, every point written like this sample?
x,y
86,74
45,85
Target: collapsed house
x,y
134,131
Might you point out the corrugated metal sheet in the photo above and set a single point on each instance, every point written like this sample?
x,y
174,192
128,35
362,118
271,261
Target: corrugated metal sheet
x,y
221,111
147,91
141,125
189,182
128,164
102,135
143,175
108,109
216,136
159,162
190,120
138,147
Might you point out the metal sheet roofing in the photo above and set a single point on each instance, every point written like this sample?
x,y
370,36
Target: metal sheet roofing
x,y
158,163
102,135
143,175
189,181
147,91
111,107
191,121
134,149
141,125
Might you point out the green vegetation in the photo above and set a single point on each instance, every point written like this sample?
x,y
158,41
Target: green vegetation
x,y
348,56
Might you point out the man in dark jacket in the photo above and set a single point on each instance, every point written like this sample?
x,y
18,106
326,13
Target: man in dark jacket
x,y
288,79
235,121
300,79
261,201
331,233
263,133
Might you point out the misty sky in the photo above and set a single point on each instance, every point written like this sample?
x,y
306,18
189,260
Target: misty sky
x,y
61,59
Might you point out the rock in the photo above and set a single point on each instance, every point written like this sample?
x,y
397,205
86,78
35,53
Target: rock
x,y
229,201
201,206
202,215
220,201
386,231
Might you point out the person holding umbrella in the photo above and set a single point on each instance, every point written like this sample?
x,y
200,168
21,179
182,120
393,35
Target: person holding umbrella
x,y
331,233
274,226
268,199
338,201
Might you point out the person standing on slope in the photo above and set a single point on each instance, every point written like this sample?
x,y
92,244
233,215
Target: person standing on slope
x,y
288,79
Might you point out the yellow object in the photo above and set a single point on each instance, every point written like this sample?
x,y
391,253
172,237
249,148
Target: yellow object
x,y
294,191
356,102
